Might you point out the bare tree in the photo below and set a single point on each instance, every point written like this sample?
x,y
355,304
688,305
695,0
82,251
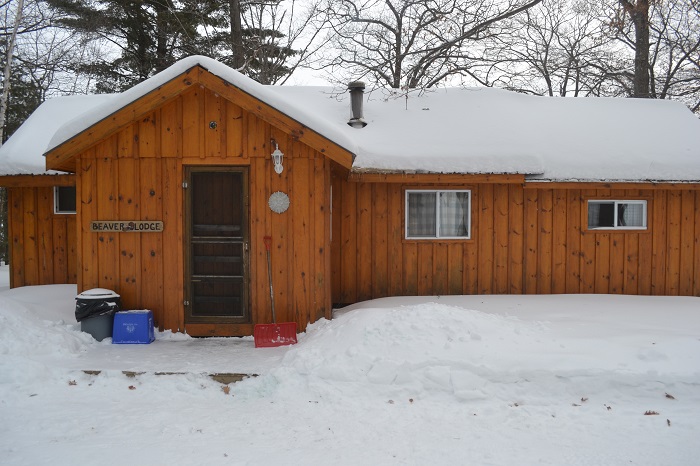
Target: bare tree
x,y
636,12
670,47
412,43
269,40
579,47
7,69
34,17
556,48
675,51
7,72
44,56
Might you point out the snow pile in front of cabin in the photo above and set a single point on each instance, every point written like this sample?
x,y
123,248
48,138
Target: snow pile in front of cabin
x,y
35,335
497,380
419,352
429,351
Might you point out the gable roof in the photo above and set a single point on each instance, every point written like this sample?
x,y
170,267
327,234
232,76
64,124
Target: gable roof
x,y
105,120
473,130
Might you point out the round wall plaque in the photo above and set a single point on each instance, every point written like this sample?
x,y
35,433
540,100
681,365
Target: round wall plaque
x,y
278,202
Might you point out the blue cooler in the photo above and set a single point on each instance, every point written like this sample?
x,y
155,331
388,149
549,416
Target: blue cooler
x,y
133,327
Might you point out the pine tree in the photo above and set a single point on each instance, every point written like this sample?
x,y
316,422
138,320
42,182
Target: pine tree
x,y
267,56
255,44
25,97
150,35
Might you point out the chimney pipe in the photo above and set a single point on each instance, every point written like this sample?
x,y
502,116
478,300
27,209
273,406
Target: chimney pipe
x,y
357,90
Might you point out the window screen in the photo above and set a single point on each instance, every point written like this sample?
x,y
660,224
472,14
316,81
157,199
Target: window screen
x,y
617,215
422,215
437,214
64,199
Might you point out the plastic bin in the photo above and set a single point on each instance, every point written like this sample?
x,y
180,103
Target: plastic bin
x,y
95,310
133,327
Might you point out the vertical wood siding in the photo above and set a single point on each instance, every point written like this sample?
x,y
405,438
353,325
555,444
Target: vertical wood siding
x,y
137,174
524,240
43,243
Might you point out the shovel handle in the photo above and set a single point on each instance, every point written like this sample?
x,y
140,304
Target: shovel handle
x,y
268,242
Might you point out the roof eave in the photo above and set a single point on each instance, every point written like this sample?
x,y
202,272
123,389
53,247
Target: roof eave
x,y
37,181
408,176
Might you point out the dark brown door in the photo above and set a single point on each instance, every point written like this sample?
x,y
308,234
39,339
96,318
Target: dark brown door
x,y
217,246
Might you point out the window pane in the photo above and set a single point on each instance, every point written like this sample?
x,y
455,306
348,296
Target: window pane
x,y
454,214
421,215
601,214
65,199
630,215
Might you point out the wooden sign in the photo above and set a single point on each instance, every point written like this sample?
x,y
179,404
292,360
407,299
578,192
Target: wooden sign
x,y
127,226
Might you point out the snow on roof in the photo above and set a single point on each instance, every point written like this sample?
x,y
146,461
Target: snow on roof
x,y
22,154
472,130
488,130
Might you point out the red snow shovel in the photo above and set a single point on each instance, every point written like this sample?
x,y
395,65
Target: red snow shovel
x,y
274,334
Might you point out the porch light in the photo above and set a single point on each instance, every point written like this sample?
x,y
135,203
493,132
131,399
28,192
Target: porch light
x,y
277,156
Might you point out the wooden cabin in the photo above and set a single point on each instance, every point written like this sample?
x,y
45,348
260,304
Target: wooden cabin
x,y
176,185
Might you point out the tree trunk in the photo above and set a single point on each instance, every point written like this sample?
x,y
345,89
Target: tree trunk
x,y
639,14
162,20
236,34
8,69
4,230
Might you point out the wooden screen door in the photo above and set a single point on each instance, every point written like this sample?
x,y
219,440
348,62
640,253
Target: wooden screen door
x,y
217,245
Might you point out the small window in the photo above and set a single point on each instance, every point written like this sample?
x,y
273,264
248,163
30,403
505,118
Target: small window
x,y
64,199
617,215
438,214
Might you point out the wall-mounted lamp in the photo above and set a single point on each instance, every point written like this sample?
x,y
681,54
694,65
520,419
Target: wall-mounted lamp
x,y
277,156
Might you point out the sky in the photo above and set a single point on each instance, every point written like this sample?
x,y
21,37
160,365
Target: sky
x,y
479,380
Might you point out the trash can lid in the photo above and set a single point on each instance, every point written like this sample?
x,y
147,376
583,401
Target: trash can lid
x,y
97,293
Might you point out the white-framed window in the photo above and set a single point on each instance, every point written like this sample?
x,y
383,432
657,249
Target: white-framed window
x,y
617,215
64,199
438,214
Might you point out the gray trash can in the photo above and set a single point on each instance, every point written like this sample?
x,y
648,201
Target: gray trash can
x,y
95,310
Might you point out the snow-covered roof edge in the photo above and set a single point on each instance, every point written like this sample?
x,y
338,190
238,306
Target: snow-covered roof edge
x,y
22,152
604,181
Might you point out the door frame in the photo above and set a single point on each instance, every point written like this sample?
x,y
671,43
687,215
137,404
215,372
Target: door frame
x,y
187,246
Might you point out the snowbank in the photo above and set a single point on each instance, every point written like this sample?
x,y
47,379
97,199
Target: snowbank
x,y
426,350
498,380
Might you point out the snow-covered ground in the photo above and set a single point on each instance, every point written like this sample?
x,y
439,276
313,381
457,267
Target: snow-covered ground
x,y
469,380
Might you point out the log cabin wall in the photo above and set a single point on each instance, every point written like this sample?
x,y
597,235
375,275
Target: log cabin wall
x,y
524,240
43,243
137,174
